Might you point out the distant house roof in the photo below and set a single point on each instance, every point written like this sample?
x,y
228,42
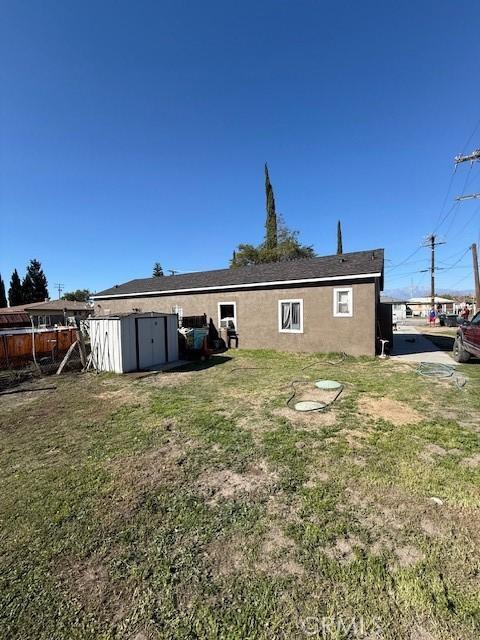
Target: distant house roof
x,y
428,300
48,307
390,300
361,264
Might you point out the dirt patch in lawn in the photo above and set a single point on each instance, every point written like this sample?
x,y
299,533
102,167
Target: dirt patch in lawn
x,y
227,484
283,509
307,420
431,452
388,409
90,583
343,550
137,475
356,438
127,394
472,462
408,555
91,580
226,556
388,516
277,554
167,379
11,401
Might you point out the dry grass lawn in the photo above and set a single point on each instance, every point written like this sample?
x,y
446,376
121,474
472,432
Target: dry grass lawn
x,y
195,504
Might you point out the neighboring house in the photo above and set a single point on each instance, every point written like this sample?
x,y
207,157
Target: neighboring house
x,y
325,304
48,313
399,308
421,306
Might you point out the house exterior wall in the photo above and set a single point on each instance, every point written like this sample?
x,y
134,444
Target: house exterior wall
x,y
257,316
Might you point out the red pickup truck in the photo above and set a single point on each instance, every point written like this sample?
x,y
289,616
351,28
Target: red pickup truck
x,y
467,342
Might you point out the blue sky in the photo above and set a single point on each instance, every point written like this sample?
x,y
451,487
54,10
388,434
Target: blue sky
x,y
136,132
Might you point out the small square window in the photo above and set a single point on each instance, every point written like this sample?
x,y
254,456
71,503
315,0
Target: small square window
x,y
290,316
227,315
343,302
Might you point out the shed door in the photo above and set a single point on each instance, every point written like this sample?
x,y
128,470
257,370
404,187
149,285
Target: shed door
x,y
151,342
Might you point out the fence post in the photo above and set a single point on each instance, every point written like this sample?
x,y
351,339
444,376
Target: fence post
x,y
81,343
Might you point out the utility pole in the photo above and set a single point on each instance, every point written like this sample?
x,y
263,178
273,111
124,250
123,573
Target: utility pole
x,y
472,157
59,286
476,276
432,243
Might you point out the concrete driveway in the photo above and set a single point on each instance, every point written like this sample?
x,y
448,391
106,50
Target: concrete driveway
x,y
412,346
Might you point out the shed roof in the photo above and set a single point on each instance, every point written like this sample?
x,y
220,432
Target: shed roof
x,y
356,264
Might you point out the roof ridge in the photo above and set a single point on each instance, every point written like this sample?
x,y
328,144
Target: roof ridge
x,y
318,268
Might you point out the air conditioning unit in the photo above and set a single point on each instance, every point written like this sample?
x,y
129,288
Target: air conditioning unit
x,y
227,323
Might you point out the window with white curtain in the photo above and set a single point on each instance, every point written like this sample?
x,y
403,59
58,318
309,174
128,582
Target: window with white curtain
x,y
290,316
343,302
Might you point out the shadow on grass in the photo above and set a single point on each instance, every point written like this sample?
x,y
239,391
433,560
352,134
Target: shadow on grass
x,y
200,365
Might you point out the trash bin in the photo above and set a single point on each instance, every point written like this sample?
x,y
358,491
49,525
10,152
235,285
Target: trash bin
x,y
451,320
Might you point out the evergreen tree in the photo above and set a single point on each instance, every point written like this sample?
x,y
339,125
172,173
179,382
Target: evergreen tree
x,y
288,248
280,243
339,238
34,284
3,297
79,295
271,236
15,293
157,270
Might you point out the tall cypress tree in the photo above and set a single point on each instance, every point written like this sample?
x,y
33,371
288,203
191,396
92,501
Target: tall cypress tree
x,y
157,270
339,238
15,293
3,297
271,236
35,283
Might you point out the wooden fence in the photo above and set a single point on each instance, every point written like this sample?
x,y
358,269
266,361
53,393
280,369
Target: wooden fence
x,y
16,347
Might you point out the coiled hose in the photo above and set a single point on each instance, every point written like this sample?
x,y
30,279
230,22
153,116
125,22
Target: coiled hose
x,y
440,370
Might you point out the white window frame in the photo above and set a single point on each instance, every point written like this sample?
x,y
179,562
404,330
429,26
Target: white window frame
x,y
234,313
290,301
336,291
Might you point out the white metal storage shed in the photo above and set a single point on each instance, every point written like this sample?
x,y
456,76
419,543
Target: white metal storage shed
x,y
133,341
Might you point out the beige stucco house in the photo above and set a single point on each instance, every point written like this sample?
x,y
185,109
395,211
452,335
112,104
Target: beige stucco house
x,y
324,304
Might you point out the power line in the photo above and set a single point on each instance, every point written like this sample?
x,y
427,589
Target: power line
x,y
467,223
400,264
469,139
454,208
452,266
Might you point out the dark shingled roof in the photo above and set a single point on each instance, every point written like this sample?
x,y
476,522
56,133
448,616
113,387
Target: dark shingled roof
x,y
347,264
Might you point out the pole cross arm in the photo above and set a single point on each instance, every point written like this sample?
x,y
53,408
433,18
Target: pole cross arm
x,y
471,157
471,196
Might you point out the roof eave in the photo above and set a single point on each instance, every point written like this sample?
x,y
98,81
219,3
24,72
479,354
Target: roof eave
x,y
250,285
